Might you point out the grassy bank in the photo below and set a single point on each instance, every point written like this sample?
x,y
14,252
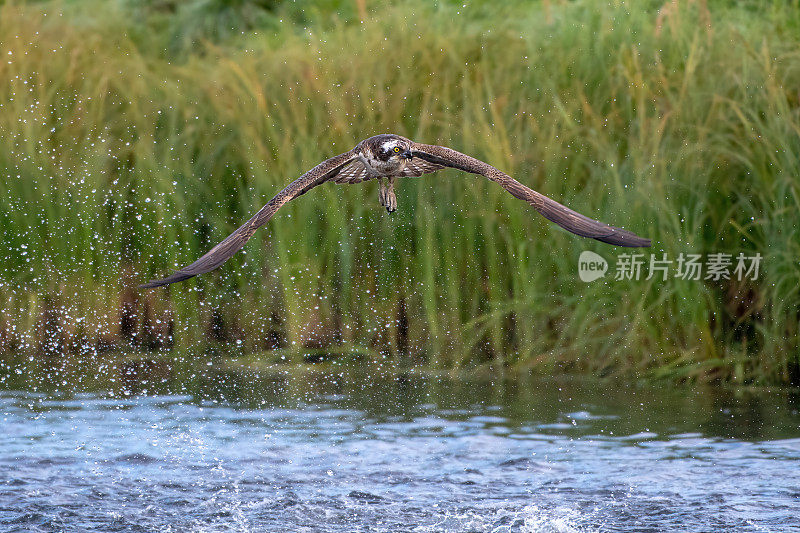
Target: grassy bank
x,y
134,138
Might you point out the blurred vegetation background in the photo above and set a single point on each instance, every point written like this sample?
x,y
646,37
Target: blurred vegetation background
x,y
134,135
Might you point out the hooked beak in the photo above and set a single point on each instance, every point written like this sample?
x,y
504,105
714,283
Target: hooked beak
x,y
407,154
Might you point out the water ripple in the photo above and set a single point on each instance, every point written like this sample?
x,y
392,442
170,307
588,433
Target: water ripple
x,y
592,462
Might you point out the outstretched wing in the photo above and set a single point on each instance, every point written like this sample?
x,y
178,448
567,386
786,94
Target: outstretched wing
x,y
549,208
233,243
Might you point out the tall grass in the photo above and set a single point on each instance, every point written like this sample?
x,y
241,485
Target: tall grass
x,y
124,155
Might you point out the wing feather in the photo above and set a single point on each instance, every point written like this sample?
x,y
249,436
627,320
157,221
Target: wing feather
x,y
353,172
418,166
553,211
220,253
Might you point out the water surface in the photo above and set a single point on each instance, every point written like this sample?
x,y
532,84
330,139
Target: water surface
x,y
368,452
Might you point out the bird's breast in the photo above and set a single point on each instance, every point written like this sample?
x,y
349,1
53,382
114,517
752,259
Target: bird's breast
x,y
377,168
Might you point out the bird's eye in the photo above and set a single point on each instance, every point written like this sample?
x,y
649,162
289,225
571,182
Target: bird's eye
x,y
396,149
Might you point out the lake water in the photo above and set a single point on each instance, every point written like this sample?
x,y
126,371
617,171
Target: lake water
x,y
372,452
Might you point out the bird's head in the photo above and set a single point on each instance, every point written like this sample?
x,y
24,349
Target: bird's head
x,y
390,148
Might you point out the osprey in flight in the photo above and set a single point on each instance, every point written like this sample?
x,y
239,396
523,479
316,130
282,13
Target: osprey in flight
x,y
389,157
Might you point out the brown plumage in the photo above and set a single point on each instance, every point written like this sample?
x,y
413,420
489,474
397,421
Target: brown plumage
x,y
389,157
